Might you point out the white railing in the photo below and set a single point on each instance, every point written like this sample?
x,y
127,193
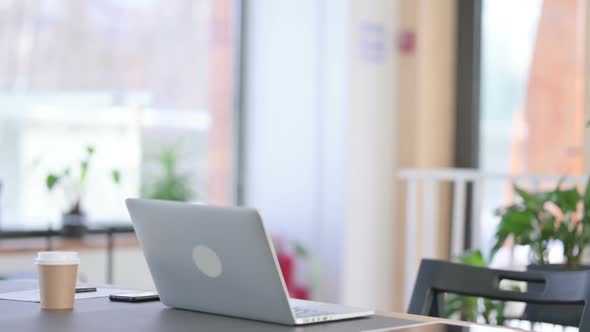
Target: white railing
x,y
429,181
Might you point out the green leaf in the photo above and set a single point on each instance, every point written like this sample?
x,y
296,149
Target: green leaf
x,y
473,258
517,223
85,164
168,160
51,181
548,228
90,150
531,201
116,175
300,250
566,200
465,306
83,170
587,203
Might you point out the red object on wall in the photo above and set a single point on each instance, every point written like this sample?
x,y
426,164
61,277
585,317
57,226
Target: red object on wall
x,y
288,263
407,42
301,293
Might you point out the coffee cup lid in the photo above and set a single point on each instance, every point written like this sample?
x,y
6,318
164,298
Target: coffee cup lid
x,y
57,258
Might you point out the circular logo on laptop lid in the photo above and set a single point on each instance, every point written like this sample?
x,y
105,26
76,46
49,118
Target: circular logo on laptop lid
x,y
207,261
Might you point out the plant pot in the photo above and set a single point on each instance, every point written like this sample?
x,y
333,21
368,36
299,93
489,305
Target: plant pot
x,y
566,315
73,225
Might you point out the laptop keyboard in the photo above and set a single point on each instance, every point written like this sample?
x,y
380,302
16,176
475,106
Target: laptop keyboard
x,y
303,312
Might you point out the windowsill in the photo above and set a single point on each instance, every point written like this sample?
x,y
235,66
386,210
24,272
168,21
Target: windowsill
x,y
91,242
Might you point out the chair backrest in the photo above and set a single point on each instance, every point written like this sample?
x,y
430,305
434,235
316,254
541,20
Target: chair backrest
x,y
437,277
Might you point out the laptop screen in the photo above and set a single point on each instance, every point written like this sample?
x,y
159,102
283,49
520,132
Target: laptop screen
x,y
450,328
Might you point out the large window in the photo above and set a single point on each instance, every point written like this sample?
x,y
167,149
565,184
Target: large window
x,y
531,94
148,86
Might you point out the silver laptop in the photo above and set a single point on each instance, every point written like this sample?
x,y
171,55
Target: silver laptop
x,y
220,260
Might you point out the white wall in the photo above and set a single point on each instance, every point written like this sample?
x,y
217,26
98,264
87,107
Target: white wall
x,y
294,115
368,265
333,110
319,144
281,99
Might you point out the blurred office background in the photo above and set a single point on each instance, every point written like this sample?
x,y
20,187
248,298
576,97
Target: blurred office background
x,y
369,134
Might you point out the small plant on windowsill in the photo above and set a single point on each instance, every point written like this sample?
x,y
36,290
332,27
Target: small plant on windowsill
x,y
170,185
72,181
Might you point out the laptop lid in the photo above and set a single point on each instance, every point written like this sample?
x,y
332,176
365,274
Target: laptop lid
x,y
211,259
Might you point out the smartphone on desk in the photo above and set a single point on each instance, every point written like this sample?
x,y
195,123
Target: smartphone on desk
x,y
135,297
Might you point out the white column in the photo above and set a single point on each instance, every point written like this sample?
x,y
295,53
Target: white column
x,y
368,276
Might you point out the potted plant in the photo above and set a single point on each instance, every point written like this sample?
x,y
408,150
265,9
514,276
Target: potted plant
x,y
170,185
73,184
537,219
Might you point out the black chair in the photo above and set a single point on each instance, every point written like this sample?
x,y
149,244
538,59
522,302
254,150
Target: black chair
x,y
435,278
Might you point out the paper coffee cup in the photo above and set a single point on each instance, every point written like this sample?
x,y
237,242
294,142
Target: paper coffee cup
x,y
58,271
